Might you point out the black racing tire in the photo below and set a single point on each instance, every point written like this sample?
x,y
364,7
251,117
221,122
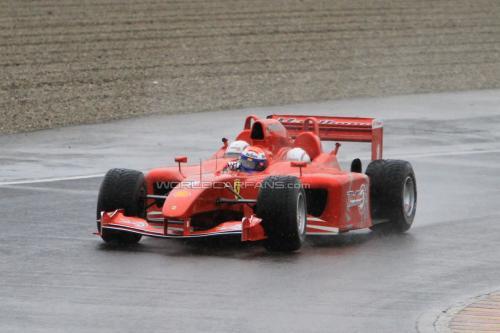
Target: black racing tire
x,y
122,189
282,206
393,195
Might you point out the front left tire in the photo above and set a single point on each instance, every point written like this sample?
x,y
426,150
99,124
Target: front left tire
x,y
122,189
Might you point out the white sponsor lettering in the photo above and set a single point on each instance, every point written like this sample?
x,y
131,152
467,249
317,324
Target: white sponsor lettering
x,y
357,198
325,122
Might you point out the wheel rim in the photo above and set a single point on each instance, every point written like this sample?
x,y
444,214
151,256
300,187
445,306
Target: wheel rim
x,y
409,196
301,214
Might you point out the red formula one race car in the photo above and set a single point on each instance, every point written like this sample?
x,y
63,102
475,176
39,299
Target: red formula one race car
x,y
273,183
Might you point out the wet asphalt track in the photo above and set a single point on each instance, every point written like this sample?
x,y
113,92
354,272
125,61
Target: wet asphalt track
x,y
57,277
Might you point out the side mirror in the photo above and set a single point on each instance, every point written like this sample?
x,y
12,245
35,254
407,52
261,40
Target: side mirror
x,y
298,164
181,159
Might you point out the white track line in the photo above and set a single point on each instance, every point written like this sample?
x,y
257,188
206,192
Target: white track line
x,y
47,189
413,156
50,180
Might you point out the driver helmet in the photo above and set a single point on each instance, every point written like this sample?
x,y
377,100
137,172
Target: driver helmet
x,y
253,159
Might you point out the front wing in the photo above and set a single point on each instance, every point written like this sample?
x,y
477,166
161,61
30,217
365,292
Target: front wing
x,y
250,228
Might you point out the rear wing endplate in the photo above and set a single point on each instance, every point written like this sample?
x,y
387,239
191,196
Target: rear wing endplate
x,y
351,129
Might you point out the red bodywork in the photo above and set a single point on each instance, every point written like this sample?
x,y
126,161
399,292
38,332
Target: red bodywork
x,y
195,200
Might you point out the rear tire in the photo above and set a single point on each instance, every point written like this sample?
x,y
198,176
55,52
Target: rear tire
x,y
122,189
393,194
282,206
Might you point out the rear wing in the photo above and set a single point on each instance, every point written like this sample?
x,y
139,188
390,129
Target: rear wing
x,y
351,129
